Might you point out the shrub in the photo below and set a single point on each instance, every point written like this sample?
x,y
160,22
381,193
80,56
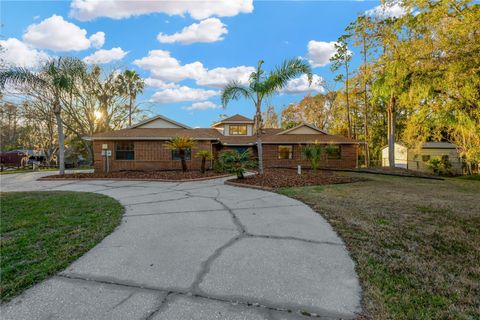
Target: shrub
x,y
440,166
313,153
235,162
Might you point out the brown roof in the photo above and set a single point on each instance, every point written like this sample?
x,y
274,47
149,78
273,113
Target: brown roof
x,y
158,134
306,138
235,118
269,136
238,140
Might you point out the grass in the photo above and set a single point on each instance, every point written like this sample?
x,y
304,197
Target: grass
x,y
416,242
26,170
43,232
12,171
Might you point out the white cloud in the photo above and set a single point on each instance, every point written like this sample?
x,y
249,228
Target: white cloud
x,y
18,54
383,11
157,83
56,34
105,56
320,52
301,85
183,93
166,68
205,105
97,40
117,9
209,30
219,77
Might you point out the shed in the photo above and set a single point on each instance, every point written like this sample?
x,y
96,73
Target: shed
x,y
417,159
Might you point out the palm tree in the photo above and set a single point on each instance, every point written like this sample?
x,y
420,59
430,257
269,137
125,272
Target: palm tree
x,y
182,144
56,76
236,162
130,84
204,155
313,153
262,86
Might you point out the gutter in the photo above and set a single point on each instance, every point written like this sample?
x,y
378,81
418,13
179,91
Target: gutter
x,y
143,138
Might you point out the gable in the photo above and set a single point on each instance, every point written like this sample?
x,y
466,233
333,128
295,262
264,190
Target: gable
x,y
160,122
303,130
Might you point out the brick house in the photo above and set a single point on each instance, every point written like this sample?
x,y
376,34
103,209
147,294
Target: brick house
x,y
142,146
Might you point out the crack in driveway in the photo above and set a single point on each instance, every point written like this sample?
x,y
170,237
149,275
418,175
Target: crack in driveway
x,y
224,197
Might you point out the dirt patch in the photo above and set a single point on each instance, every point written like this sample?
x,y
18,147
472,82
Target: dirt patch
x,y
280,178
164,175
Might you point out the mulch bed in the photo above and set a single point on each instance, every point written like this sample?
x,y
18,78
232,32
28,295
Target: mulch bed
x,y
279,178
171,175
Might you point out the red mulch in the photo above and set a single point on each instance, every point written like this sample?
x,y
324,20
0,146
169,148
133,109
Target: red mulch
x,y
140,175
279,178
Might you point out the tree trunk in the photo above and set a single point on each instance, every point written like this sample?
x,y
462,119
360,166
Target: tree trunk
x,y
181,153
203,164
348,101
61,143
258,120
365,101
391,132
89,148
130,113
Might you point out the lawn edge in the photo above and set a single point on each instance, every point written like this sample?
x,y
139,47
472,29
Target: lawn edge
x,y
48,178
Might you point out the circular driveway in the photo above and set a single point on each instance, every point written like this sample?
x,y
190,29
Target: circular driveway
x,y
197,250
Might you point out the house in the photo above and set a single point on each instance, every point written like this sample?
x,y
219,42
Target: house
x,y
142,146
417,160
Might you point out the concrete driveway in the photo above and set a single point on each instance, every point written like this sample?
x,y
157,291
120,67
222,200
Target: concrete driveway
x,y
197,250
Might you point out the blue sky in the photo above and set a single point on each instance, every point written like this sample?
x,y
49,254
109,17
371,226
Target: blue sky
x,y
189,67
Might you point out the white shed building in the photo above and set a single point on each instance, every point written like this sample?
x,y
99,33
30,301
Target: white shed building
x,y
418,159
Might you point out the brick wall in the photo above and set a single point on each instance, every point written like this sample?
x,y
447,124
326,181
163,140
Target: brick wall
x,y
149,155
152,155
348,157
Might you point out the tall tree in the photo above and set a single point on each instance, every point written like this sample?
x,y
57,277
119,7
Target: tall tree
x,y
361,30
270,118
316,110
342,58
262,86
57,76
130,84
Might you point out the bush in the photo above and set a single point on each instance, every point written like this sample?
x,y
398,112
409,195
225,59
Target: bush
x,y
440,166
235,162
313,153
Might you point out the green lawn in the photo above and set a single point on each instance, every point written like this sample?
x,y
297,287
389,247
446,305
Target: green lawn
x,y
26,170
416,242
22,170
43,232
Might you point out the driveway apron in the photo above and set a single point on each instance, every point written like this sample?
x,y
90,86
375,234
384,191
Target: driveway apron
x,y
197,250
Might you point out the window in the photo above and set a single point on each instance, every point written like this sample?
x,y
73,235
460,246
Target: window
x,y
240,149
238,130
124,151
425,157
176,154
285,152
334,151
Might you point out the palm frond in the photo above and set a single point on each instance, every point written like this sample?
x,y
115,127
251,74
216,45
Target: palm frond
x,y
19,76
234,91
288,70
